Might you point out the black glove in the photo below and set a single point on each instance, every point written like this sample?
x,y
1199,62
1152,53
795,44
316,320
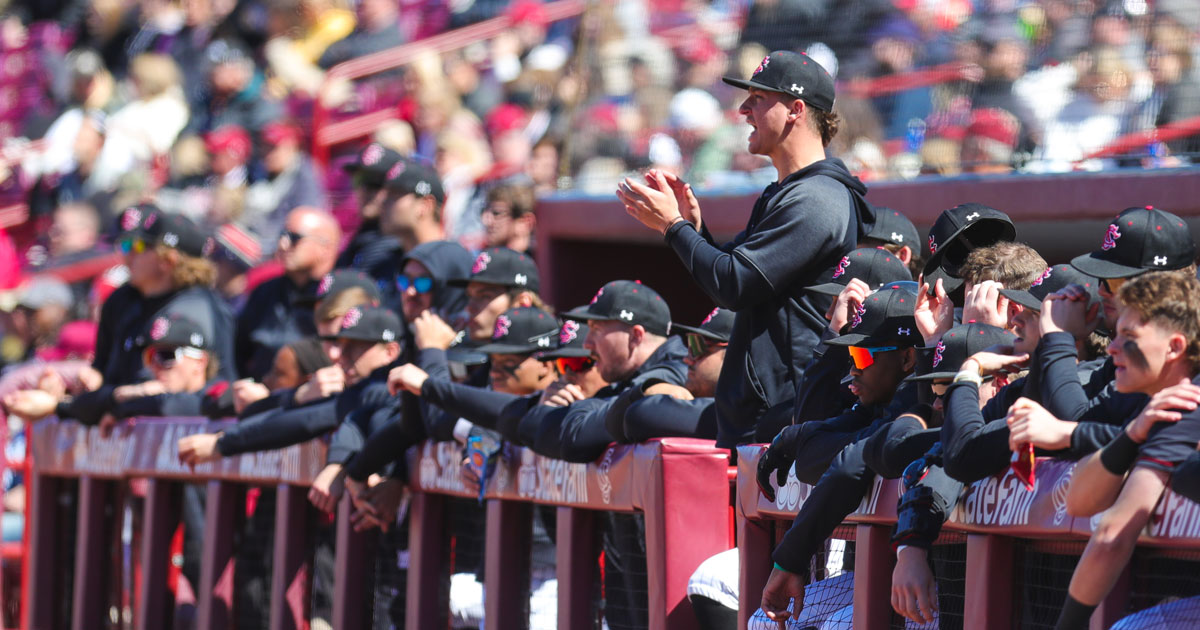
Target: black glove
x,y
777,459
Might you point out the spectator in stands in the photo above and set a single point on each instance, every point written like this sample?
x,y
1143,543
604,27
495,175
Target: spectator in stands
x,y
292,182
277,311
1157,351
1005,58
229,149
237,92
42,307
1095,115
1176,94
508,218
74,234
236,253
369,246
300,33
378,29
543,166
990,142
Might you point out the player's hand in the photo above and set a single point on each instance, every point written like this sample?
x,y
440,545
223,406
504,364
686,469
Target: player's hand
x,y
90,379
1030,423
323,383
689,206
914,595
327,488
385,500
777,459
1167,405
983,304
246,391
934,313
561,394
407,377
51,383
138,390
783,588
430,331
995,359
1067,310
667,389
30,404
655,207
842,311
198,449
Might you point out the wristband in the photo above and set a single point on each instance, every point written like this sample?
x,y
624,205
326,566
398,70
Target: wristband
x,y
968,376
781,568
1120,454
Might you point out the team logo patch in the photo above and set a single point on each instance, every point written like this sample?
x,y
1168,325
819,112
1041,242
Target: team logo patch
x,y
503,324
150,219
481,263
395,171
170,239
859,311
1110,238
597,296
131,219
326,284
372,154
351,318
841,267
160,328
197,340
1045,275
937,353
711,316
569,332
932,245
762,66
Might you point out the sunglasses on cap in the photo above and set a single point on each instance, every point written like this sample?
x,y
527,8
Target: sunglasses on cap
x,y
420,284
865,357
699,346
132,246
574,364
167,357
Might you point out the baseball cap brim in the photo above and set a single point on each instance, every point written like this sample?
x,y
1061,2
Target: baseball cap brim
x,y
583,314
832,289
1097,267
506,348
466,356
353,335
563,353
949,282
697,330
1024,298
746,85
932,376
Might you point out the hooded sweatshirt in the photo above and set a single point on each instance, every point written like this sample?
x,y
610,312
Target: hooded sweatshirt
x,y
798,228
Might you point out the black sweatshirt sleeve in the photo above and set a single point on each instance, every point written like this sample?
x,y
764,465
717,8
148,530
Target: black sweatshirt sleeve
x,y
835,496
545,424
821,441
1062,392
821,393
946,491
662,416
582,436
973,446
346,440
892,448
480,406
88,407
511,420
278,399
182,404
278,430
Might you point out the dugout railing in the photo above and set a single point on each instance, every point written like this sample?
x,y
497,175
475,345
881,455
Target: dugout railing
x,y
1018,542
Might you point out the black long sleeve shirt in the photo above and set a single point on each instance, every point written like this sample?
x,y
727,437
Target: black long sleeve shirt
x,y
275,314
820,441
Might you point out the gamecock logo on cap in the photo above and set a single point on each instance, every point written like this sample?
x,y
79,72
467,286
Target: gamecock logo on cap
x,y
372,154
481,262
160,328
1045,275
131,219
596,297
937,353
762,66
932,245
503,324
326,284
569,332
859,311
351,318
711,316
1110,238
841,267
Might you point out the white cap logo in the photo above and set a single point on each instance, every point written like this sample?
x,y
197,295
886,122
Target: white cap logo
x,y
626,315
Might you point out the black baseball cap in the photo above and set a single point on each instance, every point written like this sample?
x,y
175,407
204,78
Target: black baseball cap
x,y
718,326
147,222
892,227
522,330
957,345
884,319
630,302
794,74
368,323
410,176
1053,279
372,164
570,342
339,280
1140,240
504,267
960,230
873,265
173,331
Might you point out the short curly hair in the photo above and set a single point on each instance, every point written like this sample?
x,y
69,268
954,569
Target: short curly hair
x,y
1015,265
1170,300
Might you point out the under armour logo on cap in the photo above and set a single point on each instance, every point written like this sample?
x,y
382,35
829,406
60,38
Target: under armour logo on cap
x,y
904,331
196,339
797,89
570,332
1160,260
521,279
1110,237
897,237
481,263
503,324
972,216
422,188
170,239
543,342
351,318
937,353
387,335
626,315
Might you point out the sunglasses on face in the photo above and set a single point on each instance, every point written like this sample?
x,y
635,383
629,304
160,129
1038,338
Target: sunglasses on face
x,y
1112,285
420,284
699,346
508,368
132,246
865,357
167,357
291,238
574,364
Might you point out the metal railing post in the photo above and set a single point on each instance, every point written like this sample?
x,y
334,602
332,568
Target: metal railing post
x,y
214,610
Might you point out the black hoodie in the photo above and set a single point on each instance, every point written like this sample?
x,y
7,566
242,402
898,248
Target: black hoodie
x,y
799,228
